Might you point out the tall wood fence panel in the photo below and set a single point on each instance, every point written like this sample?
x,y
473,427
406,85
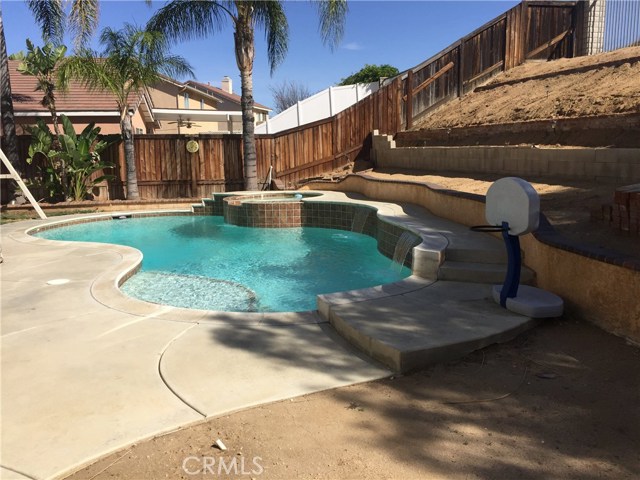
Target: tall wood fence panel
x,y
165,168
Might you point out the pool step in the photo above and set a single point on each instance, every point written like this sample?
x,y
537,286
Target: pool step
x,y
438,323
205,207
476,272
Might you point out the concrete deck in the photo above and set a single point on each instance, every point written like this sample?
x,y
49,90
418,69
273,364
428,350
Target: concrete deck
x,y
87,370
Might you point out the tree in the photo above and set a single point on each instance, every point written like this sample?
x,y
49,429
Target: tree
x,y
10,140
52,18
186,20
42,63
370,73
132,60
287,94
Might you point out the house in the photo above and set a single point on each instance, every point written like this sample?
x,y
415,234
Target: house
x,y
81,105
194,107
169,106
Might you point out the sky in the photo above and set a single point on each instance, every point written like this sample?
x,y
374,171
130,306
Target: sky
x,y
398,33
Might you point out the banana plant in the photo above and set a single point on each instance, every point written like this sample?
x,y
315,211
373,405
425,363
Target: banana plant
x,y
81,155
49,177
77,157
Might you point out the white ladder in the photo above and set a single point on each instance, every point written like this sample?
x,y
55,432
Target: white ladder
x,y
15,176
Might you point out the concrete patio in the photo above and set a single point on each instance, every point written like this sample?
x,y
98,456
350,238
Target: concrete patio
x,y
86,370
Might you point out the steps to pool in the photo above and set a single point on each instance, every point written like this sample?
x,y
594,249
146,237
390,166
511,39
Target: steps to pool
x,y
442,312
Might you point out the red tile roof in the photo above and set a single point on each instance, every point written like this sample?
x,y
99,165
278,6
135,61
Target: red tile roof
x,y
216,91
78,98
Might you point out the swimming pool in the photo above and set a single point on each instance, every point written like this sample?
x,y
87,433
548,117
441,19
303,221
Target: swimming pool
x,y
202,262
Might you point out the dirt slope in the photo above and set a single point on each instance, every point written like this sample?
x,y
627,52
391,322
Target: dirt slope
x,y
605,84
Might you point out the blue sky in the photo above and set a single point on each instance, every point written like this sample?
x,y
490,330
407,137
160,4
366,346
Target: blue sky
x,y
400,33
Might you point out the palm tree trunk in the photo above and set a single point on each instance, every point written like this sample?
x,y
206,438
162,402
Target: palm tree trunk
x,y
10,140
248,135
244,45
49,102
130,158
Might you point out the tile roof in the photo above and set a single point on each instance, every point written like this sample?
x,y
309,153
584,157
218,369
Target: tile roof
x,y
217,91
78,98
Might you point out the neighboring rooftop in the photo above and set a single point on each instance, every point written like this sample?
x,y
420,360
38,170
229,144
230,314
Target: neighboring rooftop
x,y
78,97
221,93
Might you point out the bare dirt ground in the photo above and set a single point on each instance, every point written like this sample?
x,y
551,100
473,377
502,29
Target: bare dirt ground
x,y
560,401
605,84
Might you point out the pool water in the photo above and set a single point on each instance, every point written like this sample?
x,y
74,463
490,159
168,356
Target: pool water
x,y
202,262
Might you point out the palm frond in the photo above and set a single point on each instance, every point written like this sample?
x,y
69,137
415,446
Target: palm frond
x,y
270,15
188,20
132,59
83,20
50,17
332,19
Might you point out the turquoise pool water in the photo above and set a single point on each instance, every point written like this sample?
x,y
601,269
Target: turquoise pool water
x,y
201,262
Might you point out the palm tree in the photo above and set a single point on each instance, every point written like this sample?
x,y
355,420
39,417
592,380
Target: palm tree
x,y
50,15
186,20
132,60
43,63
10,140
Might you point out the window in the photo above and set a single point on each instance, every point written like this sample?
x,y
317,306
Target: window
x,y
186,100
201,104
139,131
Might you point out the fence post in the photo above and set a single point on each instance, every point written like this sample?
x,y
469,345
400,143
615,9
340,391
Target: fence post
x,y
594,15
409,102
460,69
331,101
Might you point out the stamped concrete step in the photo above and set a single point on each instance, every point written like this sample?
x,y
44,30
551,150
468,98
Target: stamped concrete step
x,y
438,323
479,272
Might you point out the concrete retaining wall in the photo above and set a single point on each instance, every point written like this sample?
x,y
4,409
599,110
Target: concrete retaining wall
x,y
610,165
600,292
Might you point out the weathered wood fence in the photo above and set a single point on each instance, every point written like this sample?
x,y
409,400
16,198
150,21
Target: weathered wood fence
x,y
530,30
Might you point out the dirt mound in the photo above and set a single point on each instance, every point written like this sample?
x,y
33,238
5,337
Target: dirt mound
x,y
598,85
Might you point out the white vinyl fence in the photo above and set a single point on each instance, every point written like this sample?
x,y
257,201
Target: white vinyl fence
x,y
324,104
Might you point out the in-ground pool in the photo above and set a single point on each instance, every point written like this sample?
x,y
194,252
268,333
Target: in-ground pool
x,y
202,262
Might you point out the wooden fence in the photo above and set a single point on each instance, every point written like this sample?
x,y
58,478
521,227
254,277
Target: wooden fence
x,y
167,170
530,30
322,146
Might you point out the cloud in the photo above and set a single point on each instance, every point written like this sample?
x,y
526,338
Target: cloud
x,y
352,46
